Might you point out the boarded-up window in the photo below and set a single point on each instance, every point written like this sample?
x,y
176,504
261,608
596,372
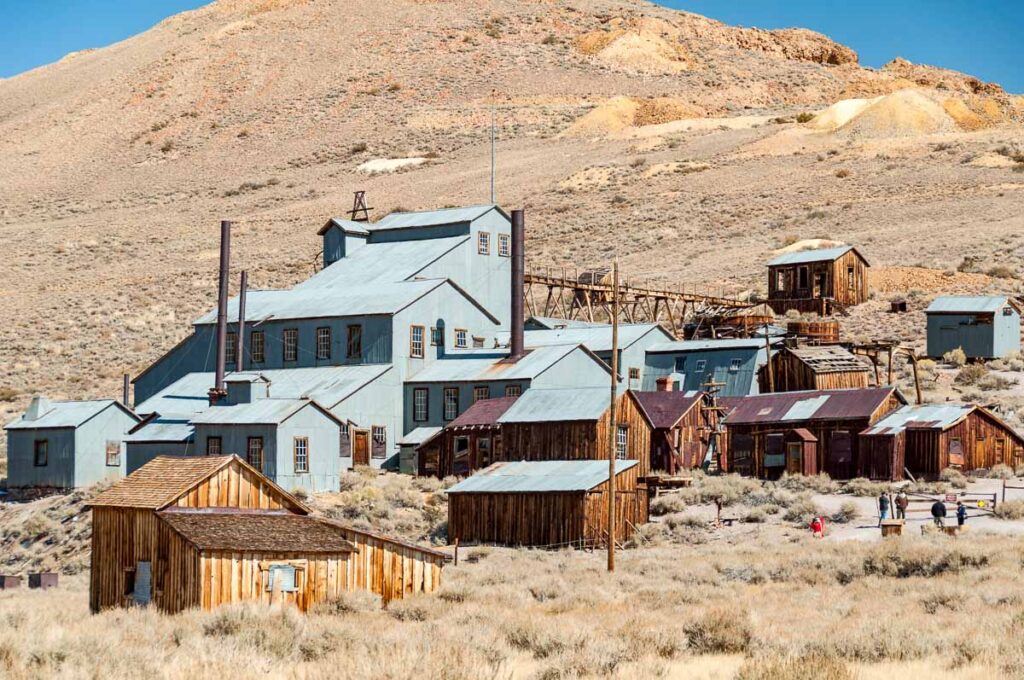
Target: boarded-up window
x,y
354,346
420,408
344,442
774,454
41,453
956,451
300,450
380,441
257,346
113,453
282,577
851,278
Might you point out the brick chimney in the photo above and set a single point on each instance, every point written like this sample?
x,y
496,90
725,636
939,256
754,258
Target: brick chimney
x,y
664,384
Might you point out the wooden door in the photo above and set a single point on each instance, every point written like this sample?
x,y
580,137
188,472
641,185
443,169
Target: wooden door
x,y
1000,451
794,458
840,455
820,285
361,448
979,453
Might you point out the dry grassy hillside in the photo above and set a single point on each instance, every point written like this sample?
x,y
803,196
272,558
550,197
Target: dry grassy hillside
x,y
624,128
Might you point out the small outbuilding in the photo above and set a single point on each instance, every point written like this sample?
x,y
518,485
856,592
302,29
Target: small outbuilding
x,y
680,429
470,442
546,504
984,327
823,367
67,444
817,281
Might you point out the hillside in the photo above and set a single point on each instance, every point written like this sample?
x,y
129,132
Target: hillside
x,y
624,128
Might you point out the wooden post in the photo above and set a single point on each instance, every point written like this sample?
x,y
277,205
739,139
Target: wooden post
x,y
768,358
890,365
613,425
1004,491
917,381
456,552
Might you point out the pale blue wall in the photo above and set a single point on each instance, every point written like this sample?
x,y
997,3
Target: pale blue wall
x,y
947,332
138,454
377,403
112,424
738,383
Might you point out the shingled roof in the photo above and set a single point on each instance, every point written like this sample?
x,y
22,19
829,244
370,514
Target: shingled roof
x,y
256,531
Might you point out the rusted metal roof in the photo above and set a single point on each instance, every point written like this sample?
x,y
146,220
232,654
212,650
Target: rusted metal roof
x,y
852,404
547,476
829,359
484,413
258,532
665,409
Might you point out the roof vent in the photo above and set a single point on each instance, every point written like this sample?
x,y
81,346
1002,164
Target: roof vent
x,y
39,407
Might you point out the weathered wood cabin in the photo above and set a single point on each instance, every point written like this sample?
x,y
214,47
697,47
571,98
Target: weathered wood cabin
x,y
546,504
929,438
817,281
984,327
680,428
757,427
471,442
825,367
205,531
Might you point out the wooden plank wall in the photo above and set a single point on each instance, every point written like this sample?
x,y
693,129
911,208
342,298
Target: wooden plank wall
x,y
235,486
392,569
692,443
927,451
789,374
843,293
836,286
229,577
822,430
882,457
631,509
446,456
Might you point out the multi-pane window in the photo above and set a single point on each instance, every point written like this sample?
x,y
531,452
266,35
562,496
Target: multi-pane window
x,y
213,446
257,347
300,450
231,349
254,452
621,442
461,338
323,342
634,373
290,343
113,453
354,346
344,443
701,365
483,243
379,435
420,410
437,336
41,453
451,403
504,245
416,342
481,392
735,365
513,390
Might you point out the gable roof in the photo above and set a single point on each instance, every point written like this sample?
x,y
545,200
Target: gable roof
x,y
665,409
484,413
597,338
259,412
970,304
717,345
383,263
258,532
818,255
476,366
928,416
165,479
347,226
828,359
559,476
547,405
64,414
434,218
553,323
852,404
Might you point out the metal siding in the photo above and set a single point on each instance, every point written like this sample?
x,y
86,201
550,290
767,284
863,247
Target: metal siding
x,y
435,399
378,403
807,256
324,462
91,446
556,405
59,471
738,383
947,332
195,354
138,454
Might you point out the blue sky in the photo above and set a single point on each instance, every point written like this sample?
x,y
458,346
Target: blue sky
x,y
981,37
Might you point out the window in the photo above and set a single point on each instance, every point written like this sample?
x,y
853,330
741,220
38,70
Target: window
x,y
379,435
213,446
436,336
481,392
634,373
451,403
782,280
803,277
956,451
483,243
513,390
680,364
701,365
461,337
231,349
300,449
851,278
113,453
420,410
344,443
504,245
354,345
478,341
254,452
41,453
291,344
774,455
323,343
622,442
257,347
282,576
735,364
416,342
141,583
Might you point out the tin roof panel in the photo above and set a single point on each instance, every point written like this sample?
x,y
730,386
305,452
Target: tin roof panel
x,y
966,303
557,405
807,256
540,476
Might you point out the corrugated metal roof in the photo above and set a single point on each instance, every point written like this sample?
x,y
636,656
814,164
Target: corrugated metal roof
x,y
348,226
311,303
552,323
163,430
418,436
966,303
484,413
382,263
664,409
64,414
938,416
805,256
555,405
709,345
853,404
261,411
540,476
479,366
431,218
595,338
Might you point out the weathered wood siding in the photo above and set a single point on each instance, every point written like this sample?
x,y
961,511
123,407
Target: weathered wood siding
x,y
839,286
684,446
984,443
446,448
882,456
392,569
229,577
235,486
790,374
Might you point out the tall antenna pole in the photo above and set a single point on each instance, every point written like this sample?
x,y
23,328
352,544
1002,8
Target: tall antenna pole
x,y
493,153
613,429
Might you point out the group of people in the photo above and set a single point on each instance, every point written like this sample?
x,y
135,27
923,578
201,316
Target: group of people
x,y
902,501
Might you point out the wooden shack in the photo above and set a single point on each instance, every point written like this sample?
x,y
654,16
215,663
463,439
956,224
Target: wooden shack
x,y
472,441
184,532
574,424
757,427
801,452
546,504
817,281
929,438
825,367
680,429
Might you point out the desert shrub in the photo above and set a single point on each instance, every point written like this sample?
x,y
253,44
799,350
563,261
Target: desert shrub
x,y
727,490
804,117
842,173
541,641
678,520
638,162
802,510
1001,471
419,608
719,631
820,483
971,374
954,477
818,666
847,512
865,487
949,600
904,560
1002,272
8,394
992,382
756,516
350,602
1012,510
955,357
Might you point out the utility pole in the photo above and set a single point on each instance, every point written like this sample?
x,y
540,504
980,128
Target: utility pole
x,y
613,428
493,153
768,358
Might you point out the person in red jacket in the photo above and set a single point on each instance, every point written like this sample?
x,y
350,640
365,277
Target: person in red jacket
x,y
817,527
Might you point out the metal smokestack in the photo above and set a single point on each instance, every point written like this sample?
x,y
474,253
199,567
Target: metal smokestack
x,y
222,310
125,391
518,248
240,365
